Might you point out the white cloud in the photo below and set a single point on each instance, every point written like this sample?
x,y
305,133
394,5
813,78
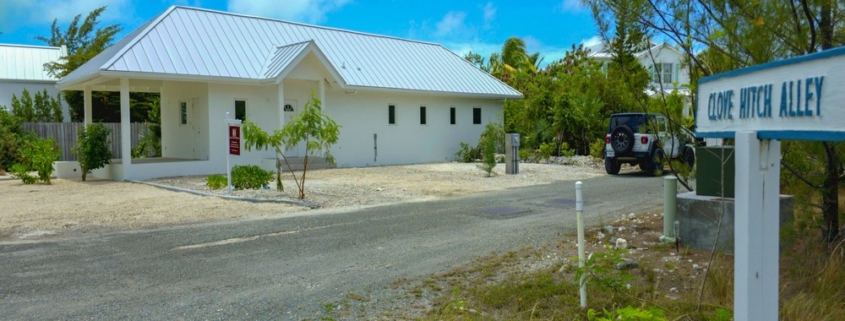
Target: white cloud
x,y
309,11
14,13
451,23
489,14
572,6
592,41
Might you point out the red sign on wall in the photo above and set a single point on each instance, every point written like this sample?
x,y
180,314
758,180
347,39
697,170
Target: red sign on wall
x,y
234,140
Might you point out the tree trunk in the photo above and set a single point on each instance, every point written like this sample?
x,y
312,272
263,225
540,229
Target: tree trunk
x,y
830,189
830,194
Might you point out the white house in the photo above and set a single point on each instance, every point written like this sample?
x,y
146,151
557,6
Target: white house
x,y
23,67
399,101
664,63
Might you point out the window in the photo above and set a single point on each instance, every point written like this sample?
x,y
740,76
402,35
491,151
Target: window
x,y
422,115
391,115
452,115
476,115
240,110
662,73
183,112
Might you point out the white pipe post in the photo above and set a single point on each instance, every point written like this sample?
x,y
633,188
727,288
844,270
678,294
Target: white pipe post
x,y
670,201
228,155
579,208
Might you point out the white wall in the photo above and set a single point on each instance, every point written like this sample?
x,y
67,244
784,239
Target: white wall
x,y
190,141
7,89
262,108
363,114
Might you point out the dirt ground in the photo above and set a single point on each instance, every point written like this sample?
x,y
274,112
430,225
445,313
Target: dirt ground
x,y
72,207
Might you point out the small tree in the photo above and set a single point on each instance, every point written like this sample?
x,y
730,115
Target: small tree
x,y
92,148
311,126
43,108
36,155
489,160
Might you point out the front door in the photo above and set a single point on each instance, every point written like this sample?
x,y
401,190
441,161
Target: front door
x,y
198,131
291,110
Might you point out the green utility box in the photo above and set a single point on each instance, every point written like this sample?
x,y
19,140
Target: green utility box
x,y
714,171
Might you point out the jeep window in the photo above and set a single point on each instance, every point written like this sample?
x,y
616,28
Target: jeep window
x,y
634,121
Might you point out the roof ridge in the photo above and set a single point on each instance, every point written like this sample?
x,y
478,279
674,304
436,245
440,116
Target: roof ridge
x,y
132,42
305,24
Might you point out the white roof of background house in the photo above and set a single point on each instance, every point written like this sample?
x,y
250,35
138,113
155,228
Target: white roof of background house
x,y
601,52
26,63
201,44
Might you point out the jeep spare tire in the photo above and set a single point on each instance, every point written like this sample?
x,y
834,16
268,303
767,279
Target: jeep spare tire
x,y
622,139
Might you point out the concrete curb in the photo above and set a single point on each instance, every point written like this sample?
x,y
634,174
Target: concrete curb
x,y
228,197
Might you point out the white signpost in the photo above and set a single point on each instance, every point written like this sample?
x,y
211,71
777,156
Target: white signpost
x,y
233,141
793,99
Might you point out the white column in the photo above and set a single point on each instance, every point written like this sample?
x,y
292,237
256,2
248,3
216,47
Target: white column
x,y
757,224
281,104
86,110
125,132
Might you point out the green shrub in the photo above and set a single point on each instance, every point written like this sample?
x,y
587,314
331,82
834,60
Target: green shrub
x,y
11,135
36,155
250,177
22,172
597,148
545,151
565,150
92,148
524,154
216,181
467,153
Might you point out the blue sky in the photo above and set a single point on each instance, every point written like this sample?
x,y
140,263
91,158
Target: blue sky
x,y
548,26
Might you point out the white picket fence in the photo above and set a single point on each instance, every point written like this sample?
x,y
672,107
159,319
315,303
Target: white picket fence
x,y
65,136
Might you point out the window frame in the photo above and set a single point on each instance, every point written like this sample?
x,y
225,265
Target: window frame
x,y
663,73
183,113
423,116
245,108
476,116
391,114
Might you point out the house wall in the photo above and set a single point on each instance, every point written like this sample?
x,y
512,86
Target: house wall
x,y
363,114
668,56
262,108
190,141
9,88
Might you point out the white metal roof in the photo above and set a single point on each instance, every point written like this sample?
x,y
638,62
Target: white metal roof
x,y
26,63
201,43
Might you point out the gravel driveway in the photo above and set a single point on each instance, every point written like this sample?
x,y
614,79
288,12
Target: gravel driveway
x,y
72,207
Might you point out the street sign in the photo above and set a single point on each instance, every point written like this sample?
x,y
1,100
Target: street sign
x,y
234,140
794,99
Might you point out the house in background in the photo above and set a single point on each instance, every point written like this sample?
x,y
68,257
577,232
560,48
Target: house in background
x,y
665,65
22,67
398,101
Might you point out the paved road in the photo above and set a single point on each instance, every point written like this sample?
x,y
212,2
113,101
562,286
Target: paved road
x,y
286,268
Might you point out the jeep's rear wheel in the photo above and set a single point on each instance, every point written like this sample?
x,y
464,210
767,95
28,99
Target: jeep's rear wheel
x,y
655,163
612,166
622,139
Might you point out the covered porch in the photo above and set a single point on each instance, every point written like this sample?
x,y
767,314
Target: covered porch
x,y
124,166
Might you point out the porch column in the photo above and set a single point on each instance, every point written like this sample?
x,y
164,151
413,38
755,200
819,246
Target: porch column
x,y
281,104
86,110
125,132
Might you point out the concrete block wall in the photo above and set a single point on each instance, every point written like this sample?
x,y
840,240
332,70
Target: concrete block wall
x,y
699,220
